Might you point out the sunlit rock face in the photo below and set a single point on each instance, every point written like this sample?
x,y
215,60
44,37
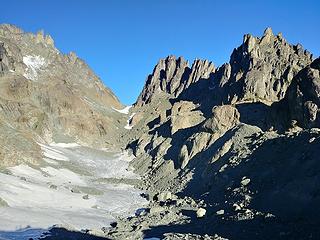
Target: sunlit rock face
x,y
261,69
173,75
48,96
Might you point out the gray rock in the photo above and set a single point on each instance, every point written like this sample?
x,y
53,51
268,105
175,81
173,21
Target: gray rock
x,y
201,212
245,181
164,196
223,118
184,156
85,197
220,212
156,209
173,75
303,97
261,69
54,187
184,116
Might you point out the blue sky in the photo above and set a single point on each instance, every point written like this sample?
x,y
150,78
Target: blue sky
x,y
122,40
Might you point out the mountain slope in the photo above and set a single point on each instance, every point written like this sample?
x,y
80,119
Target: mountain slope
x,y
47,96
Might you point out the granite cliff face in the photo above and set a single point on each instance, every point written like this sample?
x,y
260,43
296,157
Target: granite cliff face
x,y
46,96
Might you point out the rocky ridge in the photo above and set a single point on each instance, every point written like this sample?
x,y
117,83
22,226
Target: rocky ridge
x,y
235,149
172,76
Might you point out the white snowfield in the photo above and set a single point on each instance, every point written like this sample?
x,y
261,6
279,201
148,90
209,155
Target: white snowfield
x,y
34,64
70,191
124,111
129,126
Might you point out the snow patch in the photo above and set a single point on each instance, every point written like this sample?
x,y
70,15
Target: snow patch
x,y
124,111
128,126
34,64
65,145
52,153
53,195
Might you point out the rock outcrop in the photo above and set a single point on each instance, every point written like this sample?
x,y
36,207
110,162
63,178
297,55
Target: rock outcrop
x,y
223,118
173,75
302,100
261,69
185,115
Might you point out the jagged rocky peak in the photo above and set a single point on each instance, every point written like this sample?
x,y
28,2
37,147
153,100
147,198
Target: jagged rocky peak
x,y
172,75
35,57
16,34
261,69
9,29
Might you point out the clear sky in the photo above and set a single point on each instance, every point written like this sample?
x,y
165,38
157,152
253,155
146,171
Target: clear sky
x,y
122,40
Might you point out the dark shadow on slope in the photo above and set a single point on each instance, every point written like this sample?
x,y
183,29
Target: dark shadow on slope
x,y
255,114
153,123
178,139
264,116
164,130
53,234
61,234
284,174
200,165
202,93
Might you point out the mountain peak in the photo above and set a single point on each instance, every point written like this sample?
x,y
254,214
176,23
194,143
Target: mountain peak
x,y
172,75
262,68
64,96
268,32
10,28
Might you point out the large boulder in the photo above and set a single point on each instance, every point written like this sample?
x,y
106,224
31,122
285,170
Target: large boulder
x,y
223,118
185,115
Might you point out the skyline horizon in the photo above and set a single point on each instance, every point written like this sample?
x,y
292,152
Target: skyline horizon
x,y
123,43
190,61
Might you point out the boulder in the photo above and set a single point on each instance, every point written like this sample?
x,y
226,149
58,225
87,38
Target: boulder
x,y
201,212
184,115
245,181
223,118
164,196
220,212
184,156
